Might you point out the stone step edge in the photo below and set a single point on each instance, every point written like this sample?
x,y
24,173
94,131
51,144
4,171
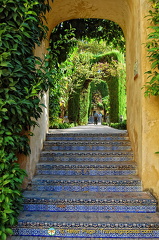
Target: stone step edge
x,y
90,200
66,238
41,207
85,233
64,150
86,159
83,159
133,225
86,173
94,143
90,164
47,167
91,233
67,167
87,134
119,202
86,147
88,139
59,188
106,153
79,181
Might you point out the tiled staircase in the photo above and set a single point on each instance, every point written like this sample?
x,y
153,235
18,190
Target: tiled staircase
x,y
86,186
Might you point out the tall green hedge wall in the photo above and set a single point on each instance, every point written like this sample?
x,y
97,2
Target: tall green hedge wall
x,y
79,102
116,85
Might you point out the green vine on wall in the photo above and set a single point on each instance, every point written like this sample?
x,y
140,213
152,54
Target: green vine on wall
x,y
22,85
152,87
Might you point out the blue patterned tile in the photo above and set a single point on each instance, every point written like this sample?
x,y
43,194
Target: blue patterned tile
x,y
91,232
65,148
89,208
76,188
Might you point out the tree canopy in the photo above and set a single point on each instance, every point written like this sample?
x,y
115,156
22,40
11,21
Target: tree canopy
x,y
90,61
65,35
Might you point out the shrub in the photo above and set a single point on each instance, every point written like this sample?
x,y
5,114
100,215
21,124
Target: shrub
x,y
121,125
57,124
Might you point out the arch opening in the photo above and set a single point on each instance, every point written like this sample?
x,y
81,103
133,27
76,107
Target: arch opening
x,y
119,11
89,61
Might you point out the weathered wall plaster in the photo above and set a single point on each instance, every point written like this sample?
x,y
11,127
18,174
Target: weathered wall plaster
x,y
36,141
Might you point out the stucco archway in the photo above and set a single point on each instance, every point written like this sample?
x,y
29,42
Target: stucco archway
x,y
117,10
142,114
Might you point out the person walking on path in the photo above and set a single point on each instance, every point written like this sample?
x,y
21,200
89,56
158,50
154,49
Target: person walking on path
x,y
100,118
95,118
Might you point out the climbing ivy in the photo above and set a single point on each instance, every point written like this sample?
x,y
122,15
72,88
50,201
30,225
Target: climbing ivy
x,y
21,88
152,87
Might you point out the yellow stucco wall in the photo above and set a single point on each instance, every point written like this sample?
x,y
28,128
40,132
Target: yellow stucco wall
x,y
142,113
150,119
115,10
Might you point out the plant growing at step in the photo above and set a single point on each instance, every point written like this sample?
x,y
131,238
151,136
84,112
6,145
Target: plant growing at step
x,y
21,87
152,87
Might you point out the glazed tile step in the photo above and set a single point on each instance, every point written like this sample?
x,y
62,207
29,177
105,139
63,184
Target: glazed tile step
x,y
86,168
87,137
88,225
89,202
59,183
86,146
86,156
61,238
87,142
66,157
84,142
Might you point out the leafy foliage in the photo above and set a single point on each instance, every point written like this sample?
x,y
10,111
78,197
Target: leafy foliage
x,y
21,87
65,39
99,88
121,125
65,35
62,41
111,67
152,87
78,99
80,69
54,91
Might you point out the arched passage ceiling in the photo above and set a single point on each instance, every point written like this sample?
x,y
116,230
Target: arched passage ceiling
x,y
118,11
